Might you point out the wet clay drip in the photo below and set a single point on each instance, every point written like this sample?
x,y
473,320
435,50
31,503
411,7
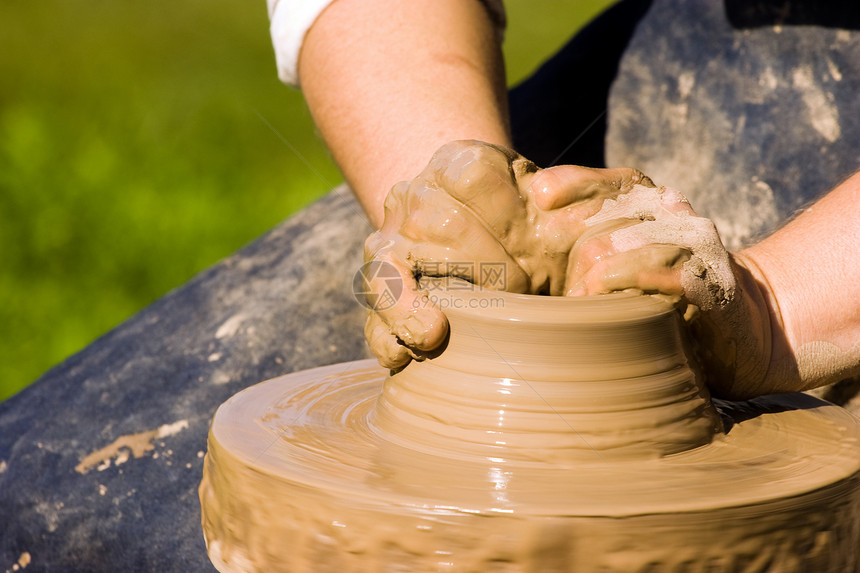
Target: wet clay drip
x,y
552,434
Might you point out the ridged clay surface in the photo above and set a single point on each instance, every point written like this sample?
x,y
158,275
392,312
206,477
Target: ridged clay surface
x,y
552,434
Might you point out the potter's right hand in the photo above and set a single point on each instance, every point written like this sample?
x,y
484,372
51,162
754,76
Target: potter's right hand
x,y
653,241
475,206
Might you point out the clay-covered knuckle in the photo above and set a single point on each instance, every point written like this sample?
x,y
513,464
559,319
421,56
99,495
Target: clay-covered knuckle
x,y
371,326
437,218
709,279
480,177
389,285
545,189
383,344
390,354
378,245
449,151
395,207
452,157
667,256
563,185
381,251
658,268
421,329
709,284
395,196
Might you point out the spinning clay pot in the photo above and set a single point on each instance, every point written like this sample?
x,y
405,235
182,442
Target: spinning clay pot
x,y
551,434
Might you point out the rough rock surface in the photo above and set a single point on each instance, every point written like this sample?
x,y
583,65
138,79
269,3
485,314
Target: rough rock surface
x,y
748,108
100,459
283,303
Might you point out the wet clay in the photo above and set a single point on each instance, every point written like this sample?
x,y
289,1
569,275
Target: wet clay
x,y
550,434
476,207
485,214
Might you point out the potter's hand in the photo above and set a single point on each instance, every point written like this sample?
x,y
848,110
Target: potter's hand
x,y
652,240
485,214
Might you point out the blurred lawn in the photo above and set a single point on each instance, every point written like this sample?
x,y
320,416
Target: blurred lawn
x,y
135,152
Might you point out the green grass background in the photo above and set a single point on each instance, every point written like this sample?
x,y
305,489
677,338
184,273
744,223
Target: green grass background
x,y
135,152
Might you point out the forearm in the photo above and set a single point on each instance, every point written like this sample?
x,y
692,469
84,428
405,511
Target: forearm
x,y
810,273
386,93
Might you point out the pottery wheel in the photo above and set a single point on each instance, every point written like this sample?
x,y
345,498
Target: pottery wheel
x,y
302,474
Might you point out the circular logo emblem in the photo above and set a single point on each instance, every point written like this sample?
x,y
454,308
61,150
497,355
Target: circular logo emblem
x,y
382,275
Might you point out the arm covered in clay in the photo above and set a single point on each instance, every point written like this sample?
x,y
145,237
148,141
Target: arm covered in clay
x,y
388,82
783,315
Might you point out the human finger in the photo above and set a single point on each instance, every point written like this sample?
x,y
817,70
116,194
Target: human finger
x,y
708,277
384,345
651,269
392,293
641,217
564,185
594,245
582,220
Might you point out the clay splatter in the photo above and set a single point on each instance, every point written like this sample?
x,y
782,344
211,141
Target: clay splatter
x,y
132,444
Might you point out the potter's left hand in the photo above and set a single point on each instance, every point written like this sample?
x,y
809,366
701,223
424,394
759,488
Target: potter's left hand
x,y
652,240
475,206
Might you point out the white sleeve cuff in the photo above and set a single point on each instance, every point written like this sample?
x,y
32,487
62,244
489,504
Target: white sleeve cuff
x,y
290,20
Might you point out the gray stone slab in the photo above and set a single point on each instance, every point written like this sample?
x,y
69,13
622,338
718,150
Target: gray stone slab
x,y
750,121
282,304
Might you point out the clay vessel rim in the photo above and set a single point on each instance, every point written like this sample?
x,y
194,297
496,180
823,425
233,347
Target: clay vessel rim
x,y
461,298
